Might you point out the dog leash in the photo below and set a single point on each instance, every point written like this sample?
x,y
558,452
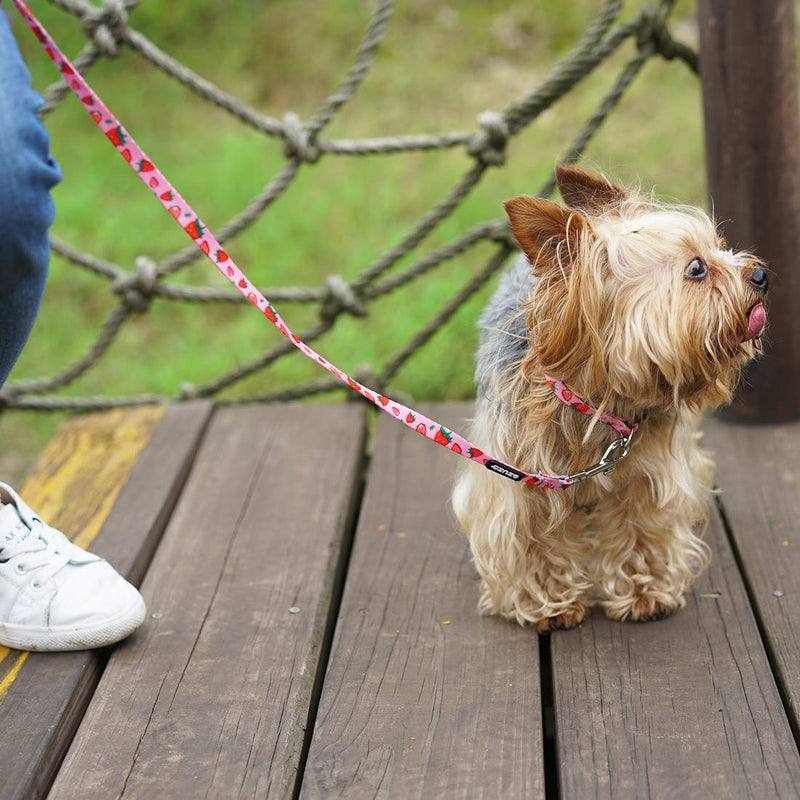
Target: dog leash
x,y
186,217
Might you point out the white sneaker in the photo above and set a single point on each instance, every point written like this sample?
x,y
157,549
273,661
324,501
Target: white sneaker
x,y
53,594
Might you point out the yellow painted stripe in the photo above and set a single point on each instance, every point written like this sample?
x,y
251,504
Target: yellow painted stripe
x,y
79,475
5,684
85,465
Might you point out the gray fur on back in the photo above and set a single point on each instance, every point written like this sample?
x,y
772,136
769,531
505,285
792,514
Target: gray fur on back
x,y
505,338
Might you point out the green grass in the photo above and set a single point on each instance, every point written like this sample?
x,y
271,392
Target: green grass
x,y
437,69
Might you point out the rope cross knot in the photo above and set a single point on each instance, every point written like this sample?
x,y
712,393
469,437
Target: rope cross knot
x,y
137,287
489,146
340,296
655,33
106,25
298,142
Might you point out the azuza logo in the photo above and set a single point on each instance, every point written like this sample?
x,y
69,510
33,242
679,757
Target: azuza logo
x,y
504,470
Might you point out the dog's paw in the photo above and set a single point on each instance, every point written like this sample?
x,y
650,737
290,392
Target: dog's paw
x,y
644,607
561,622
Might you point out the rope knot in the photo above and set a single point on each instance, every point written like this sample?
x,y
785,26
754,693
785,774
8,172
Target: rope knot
x,y
297,141
489,146
340,296
654,32
137,287
106,25
187,391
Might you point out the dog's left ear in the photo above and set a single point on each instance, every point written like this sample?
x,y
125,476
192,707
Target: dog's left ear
x,y
587,192
548,234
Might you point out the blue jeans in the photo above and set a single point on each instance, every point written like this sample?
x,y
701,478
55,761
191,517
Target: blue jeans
x,y
27,174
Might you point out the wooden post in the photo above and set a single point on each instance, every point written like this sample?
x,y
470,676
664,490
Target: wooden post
x,y
749,72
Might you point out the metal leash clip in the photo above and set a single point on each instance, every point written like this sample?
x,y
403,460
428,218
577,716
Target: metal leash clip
x,y
615,452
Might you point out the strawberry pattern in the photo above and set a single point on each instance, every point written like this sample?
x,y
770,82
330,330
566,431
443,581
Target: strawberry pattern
x,y
571,399
117,137
183,213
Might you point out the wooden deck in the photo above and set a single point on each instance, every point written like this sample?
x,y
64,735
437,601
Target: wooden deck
x,y
312,630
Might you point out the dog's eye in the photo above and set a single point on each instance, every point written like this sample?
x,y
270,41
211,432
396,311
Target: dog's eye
x,y
697,269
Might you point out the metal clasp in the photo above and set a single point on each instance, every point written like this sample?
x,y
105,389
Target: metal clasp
x,y
615,452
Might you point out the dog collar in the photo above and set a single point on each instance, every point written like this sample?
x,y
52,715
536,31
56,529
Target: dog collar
x,y
615,452
568,397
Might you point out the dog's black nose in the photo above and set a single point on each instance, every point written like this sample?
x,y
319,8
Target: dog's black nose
x,y
758,277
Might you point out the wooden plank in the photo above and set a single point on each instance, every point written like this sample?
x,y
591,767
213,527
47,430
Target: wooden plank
x,y
113,476
749,69
423,698
759,477
213,698
685,707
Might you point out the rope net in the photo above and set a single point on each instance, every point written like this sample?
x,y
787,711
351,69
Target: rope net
x,y
132,291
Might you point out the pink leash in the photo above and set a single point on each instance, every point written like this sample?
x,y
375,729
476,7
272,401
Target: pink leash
x,y
185,216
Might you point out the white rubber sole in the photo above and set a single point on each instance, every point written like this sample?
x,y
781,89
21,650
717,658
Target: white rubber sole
x,y
72,637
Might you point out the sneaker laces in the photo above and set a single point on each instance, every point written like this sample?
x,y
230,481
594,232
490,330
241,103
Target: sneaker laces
x,y
41,547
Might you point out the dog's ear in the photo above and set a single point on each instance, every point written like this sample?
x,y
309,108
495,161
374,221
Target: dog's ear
x,y
587,192
566,314
548,234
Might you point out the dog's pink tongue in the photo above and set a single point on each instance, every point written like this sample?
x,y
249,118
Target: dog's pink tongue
x,y
756,321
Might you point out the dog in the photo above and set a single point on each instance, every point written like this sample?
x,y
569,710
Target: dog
x,y
638,312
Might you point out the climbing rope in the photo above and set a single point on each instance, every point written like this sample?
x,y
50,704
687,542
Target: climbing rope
x,y
133,291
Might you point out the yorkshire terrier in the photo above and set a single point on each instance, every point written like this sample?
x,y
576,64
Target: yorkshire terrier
x,y
640,310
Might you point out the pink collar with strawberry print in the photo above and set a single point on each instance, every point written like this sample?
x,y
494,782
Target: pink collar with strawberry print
x,y
183,213
571,399
615,452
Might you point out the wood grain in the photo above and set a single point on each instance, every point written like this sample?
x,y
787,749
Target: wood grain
x,y
749,69
213,697
137,458
758,474
93,455
681,708
423,698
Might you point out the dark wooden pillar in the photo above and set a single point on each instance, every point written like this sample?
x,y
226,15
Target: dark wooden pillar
x,y
749,72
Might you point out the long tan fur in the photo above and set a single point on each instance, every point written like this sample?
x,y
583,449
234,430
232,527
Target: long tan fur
x,y
613,315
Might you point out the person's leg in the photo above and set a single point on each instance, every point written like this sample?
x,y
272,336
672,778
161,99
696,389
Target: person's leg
x,y
53,594
27,174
